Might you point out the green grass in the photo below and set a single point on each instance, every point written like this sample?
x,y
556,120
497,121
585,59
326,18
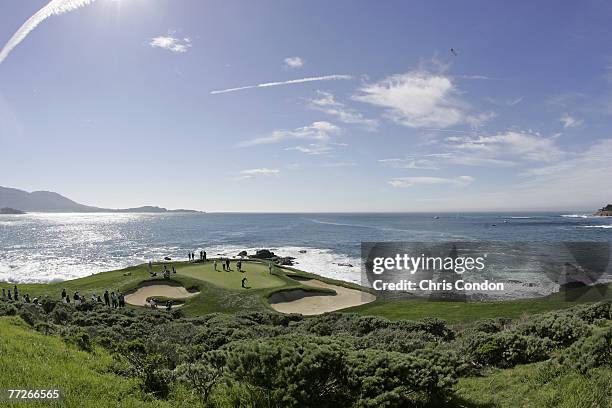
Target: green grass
x,y
221,291
30,360
457,312
257,275
536,385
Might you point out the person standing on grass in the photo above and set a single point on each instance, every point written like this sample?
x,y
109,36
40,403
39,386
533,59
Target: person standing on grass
x,y
16,293
270,267
121,300
173,269
3,295
204,256
215,264
113,300
227,263
239,265
106,298
10,297
63,293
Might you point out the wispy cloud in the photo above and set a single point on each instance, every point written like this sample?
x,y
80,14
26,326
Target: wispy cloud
x,y
405,182
289,82
54,7
259,172
170,43
293,62
569,121
325,102
420,99
520,146
410,163
317,131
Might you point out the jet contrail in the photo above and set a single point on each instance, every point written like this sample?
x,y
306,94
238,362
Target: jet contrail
x,y
292,81
54,7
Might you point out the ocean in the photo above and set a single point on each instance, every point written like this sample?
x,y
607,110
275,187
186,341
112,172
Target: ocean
x,y
43,247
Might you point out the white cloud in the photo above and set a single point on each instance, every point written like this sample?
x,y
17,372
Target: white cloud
x,y
516,146
170,43
265,172
410,163
325,102
419,99
312,149
54,7
569,121
405,182
293,62
290,82
318,131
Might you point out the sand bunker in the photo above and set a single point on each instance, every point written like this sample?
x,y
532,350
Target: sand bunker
x,y
314,303
139,298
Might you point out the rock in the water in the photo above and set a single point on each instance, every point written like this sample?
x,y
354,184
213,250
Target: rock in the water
x,y
7,210
242,253
605,211
263,254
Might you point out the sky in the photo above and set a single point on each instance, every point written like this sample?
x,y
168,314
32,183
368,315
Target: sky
x,y
343,105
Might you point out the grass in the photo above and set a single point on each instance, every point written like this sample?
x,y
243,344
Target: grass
x,y
257,275
536,385
458,312
30,360
221,291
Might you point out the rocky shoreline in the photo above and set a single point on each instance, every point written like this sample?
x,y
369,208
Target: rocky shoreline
x,y
605,211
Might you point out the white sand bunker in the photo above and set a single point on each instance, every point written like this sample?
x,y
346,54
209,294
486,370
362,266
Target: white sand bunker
x,y
314,303
139,298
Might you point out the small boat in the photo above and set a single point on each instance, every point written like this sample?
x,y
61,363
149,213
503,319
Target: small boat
x,y
436,217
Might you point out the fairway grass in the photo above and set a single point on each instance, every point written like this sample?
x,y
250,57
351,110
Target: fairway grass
x,y
257,275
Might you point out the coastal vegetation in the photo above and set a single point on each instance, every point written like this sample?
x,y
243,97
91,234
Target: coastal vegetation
x,y
226,347
141,357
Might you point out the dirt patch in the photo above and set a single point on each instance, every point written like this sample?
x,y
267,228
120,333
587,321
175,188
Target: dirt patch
x,y
313,303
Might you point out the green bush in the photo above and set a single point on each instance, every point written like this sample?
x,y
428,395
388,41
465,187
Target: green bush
x,y
562,328
590,352
504,349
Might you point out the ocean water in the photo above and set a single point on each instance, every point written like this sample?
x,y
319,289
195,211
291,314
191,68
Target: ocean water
x,y
41,247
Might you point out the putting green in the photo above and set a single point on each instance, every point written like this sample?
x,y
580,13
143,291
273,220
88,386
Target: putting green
x,y
257,275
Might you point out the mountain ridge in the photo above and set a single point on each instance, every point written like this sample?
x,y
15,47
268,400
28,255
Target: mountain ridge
x,y
50,201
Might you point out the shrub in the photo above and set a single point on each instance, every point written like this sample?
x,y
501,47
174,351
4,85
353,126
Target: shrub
x,y
292,372
590,352
396,380
204,375
562,329
505,349
80,339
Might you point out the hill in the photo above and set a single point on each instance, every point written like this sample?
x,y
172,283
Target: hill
x,y
48,201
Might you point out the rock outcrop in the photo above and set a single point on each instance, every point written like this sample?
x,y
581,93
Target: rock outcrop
x,y
8,210
605,211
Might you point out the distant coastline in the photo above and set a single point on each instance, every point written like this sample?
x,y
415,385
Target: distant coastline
x,y
51,202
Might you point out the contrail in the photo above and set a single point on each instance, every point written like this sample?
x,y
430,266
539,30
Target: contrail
x,y
54,7
290,82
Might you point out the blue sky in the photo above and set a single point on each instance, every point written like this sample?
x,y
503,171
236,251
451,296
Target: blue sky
x,y
114,104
